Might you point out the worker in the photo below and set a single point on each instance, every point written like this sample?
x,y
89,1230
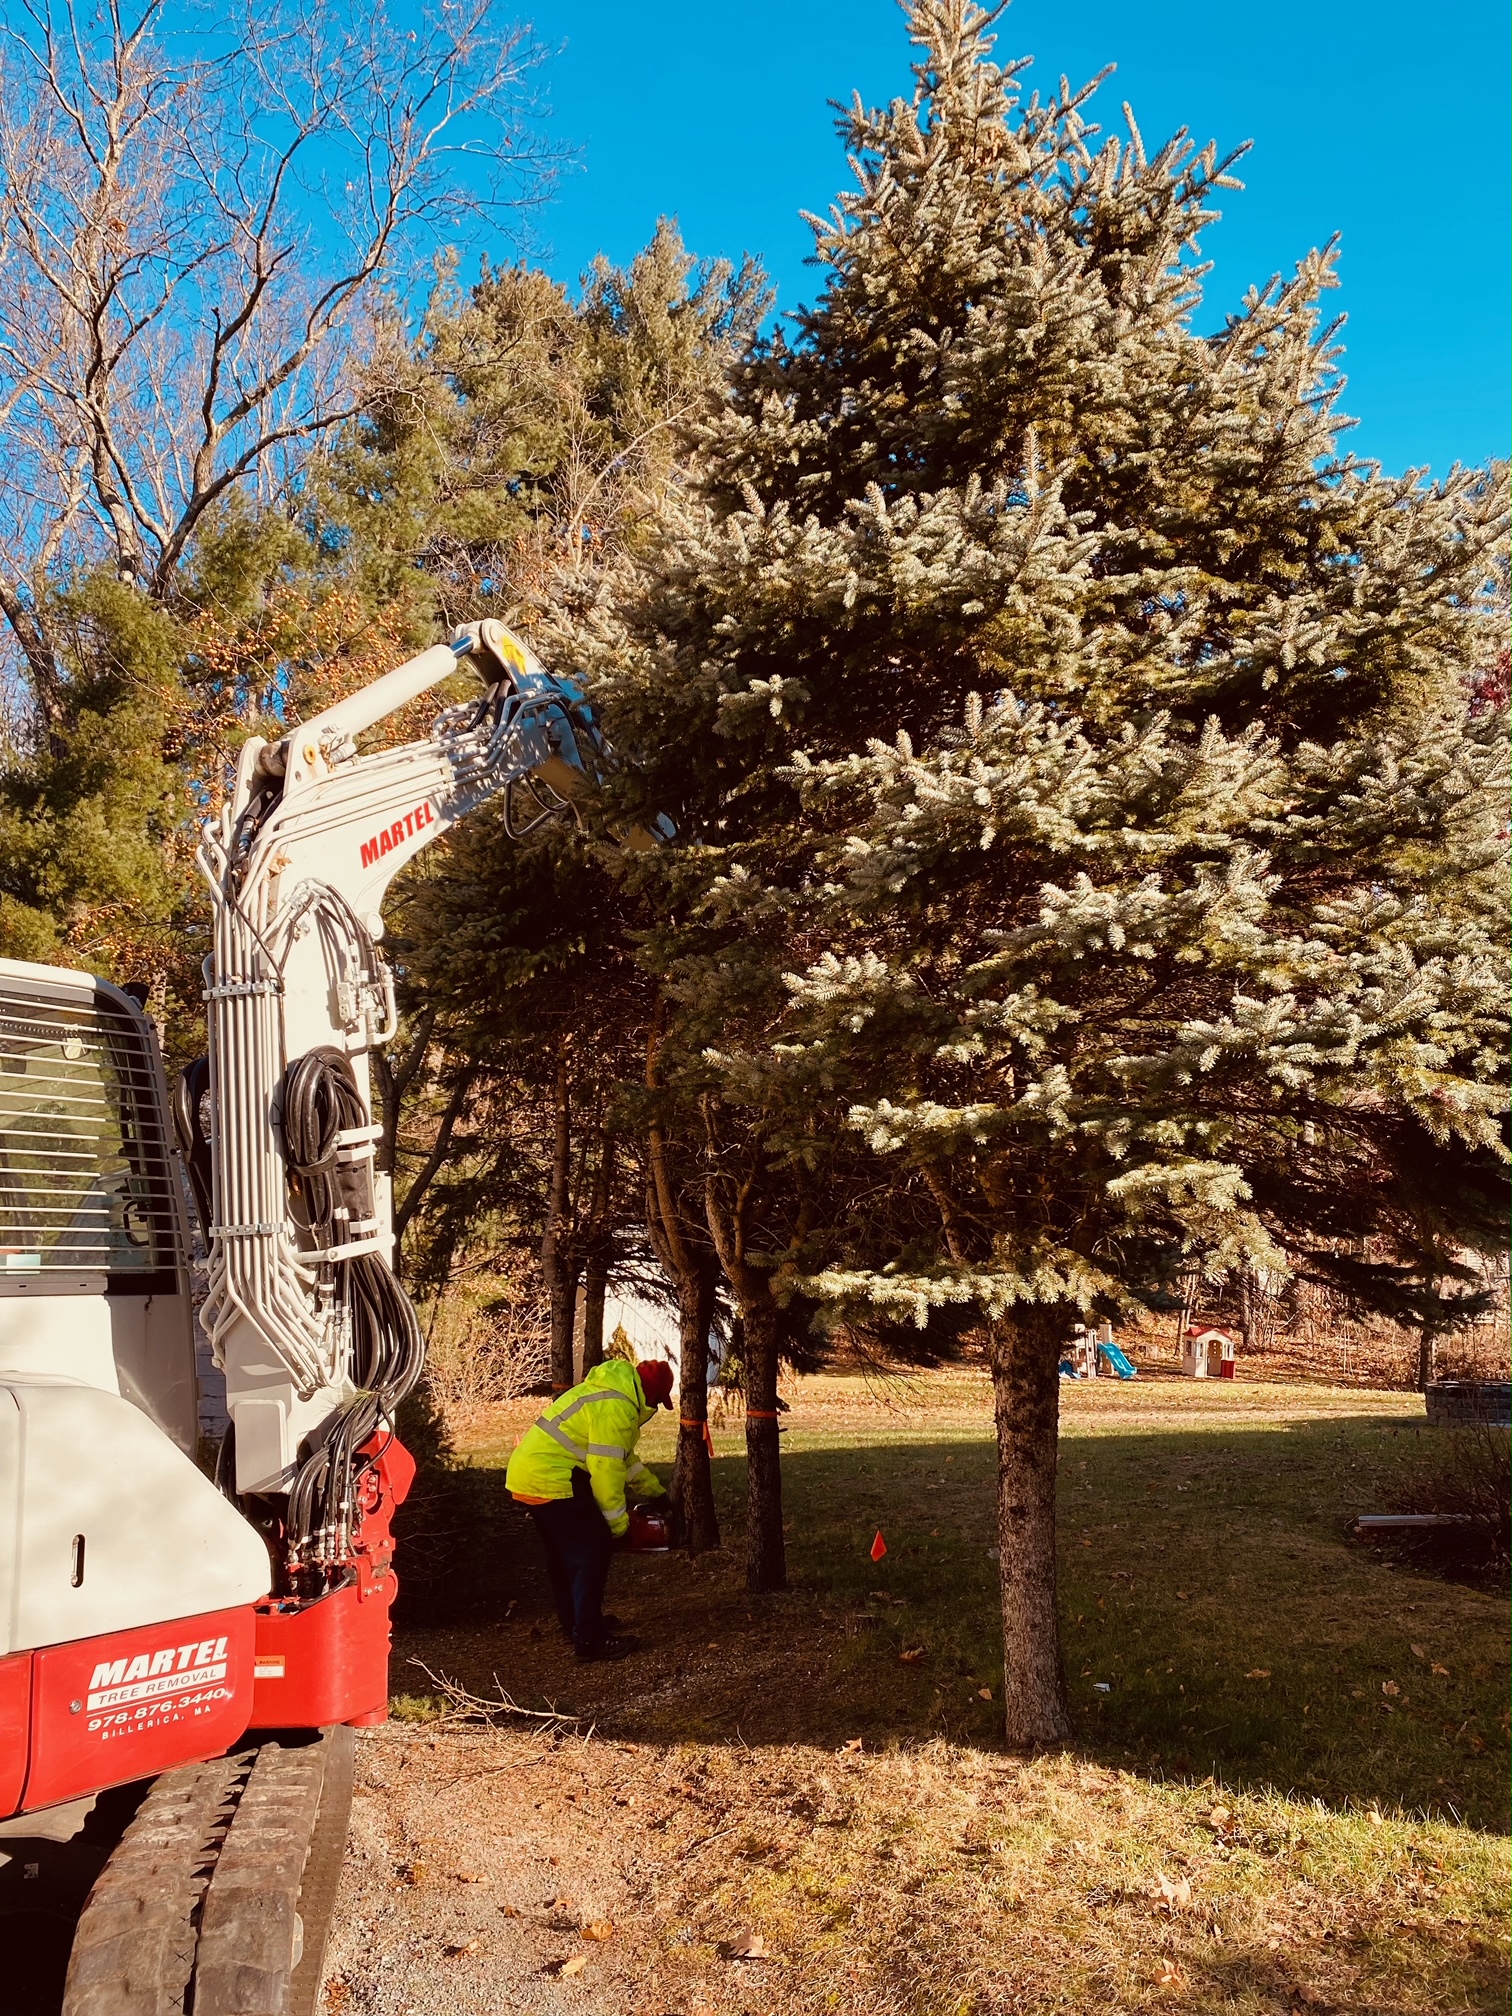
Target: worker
x,y
572,1469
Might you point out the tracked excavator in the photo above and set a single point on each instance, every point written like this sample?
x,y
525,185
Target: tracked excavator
x,y
219,1629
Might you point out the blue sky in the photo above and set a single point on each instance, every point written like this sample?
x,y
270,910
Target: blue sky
x,y
1385,122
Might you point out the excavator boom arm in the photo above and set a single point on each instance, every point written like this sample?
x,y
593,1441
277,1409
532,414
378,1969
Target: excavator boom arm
x,y
298,865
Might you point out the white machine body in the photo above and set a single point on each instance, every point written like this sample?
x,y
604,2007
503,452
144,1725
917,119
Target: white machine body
x,y
114,1527
106,1521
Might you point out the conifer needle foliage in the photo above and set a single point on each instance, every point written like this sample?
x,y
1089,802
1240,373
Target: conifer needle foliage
x,y
1090,860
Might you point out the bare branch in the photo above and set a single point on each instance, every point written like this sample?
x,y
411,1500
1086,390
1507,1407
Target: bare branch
x,y
201,220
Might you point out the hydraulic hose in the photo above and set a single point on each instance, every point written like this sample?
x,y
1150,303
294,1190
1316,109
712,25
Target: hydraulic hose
x,y
328,1150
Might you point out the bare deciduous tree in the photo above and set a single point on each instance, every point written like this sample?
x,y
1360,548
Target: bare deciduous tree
x,y
200,217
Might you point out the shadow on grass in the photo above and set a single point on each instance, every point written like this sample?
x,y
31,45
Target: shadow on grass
x,y
1217,1620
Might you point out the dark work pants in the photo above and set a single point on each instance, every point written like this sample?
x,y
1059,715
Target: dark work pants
x,y
578,1546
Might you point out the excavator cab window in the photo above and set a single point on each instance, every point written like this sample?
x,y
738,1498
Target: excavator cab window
x,y
85,1181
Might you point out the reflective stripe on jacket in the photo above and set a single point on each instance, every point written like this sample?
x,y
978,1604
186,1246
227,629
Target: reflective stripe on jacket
x,y
592,1427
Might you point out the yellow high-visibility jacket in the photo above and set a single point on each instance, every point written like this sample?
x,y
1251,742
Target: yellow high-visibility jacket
x,y
592,1427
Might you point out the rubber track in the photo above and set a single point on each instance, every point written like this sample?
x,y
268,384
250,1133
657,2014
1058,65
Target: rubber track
x,y
250,1930
133,1952
228,1870
322,1870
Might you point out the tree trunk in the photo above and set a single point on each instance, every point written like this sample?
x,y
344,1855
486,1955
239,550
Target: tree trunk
x,y
692,1479
426,1174
600,1244
766,1553
727,1211
41,663
1026,1348
595,1289
1427,1355
561,1268
684,1251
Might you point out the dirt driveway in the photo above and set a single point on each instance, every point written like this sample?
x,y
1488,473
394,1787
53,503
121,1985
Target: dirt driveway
x,y
486,1862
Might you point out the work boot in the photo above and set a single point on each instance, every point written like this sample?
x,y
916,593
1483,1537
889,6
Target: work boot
x,y
610,1621
611,1647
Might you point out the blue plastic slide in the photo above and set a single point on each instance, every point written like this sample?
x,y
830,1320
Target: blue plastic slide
x,y
1118,1361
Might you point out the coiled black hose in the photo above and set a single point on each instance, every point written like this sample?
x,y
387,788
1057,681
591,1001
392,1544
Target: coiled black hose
x,y
385,1348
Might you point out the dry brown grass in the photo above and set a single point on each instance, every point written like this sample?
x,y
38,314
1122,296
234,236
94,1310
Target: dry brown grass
x,y
920,1880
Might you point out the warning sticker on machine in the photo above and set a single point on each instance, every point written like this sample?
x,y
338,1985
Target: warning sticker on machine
x,y
173,1669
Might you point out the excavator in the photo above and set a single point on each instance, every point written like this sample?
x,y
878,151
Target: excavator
x,y
217,1628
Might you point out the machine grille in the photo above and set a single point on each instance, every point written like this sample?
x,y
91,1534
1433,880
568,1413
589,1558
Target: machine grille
x,y
85,1181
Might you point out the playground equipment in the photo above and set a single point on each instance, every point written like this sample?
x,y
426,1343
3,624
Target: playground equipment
x,y
1095,1353
1208,1352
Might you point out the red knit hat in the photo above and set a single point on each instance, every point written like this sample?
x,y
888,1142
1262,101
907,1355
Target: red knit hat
x,y
655,1376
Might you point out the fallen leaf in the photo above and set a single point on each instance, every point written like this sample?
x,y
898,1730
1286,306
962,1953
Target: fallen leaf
x,y
1183,1595
1175,1896
466,1876
1308,1997
1171,1976
752,1948
508,1911
1219,1817
411,1872
1417,1652
911,1655
1390,1687
467,1946
1374,1818
854,1743
600,1929
714,1647
1444,1670
575,1965
1258,1673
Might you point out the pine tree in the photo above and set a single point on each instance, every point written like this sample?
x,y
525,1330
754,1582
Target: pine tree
x,y
1179,950
528,443
150,699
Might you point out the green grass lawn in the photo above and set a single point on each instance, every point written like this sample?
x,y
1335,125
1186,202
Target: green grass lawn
x,y
1229,1649
1207,1581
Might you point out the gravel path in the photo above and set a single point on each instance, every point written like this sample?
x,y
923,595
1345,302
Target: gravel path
x,y
473,1872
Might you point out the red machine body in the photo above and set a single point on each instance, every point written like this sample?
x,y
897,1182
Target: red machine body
x,y
326,1660
102,1711
80,1717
